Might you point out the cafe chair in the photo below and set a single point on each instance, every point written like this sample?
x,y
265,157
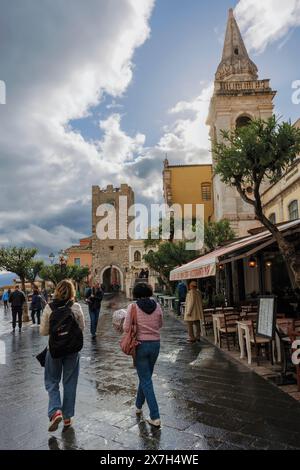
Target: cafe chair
x,y
229,330
207,322
261,343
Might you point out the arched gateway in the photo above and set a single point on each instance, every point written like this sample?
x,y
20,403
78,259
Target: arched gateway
x,y
112,278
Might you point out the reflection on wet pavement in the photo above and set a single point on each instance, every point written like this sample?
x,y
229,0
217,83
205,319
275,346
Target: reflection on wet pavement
x,y
206,400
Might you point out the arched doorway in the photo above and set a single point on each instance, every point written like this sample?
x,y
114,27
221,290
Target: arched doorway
x,y
111,279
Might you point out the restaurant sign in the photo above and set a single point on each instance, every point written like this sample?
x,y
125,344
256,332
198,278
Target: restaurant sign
x,y
194,273
266,316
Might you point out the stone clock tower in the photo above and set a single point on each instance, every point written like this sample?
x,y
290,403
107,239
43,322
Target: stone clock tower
x,y
239,96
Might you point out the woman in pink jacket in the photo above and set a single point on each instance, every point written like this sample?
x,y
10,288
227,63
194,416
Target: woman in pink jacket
x,y
149,323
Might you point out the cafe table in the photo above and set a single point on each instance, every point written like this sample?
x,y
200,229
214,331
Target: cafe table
x,y
168,301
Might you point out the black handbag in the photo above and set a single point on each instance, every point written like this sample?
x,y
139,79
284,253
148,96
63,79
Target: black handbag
x,y
41,357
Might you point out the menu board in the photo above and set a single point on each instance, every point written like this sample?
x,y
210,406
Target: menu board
x,y
266,317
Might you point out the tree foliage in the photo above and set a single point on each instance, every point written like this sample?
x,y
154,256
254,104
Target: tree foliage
x,y
17,260
56,273
216,233
259,152
168,256
34,270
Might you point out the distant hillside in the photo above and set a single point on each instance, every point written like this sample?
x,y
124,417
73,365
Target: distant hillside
x,y
7,278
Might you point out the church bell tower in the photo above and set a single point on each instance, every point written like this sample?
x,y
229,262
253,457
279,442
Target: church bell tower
x,y
239,96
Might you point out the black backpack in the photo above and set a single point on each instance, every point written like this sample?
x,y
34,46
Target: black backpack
x,y
65,334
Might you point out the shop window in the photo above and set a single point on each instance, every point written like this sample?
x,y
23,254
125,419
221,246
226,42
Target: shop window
x,y
206,191
137,256
272,218
293,210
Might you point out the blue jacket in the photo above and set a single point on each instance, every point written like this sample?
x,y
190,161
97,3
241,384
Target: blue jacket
x,y
5,296
182,290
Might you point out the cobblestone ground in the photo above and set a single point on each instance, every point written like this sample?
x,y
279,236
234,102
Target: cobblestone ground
x,y
207,401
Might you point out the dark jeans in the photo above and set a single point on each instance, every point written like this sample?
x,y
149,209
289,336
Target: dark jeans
x,y
94,316
38,316
146,356
17,311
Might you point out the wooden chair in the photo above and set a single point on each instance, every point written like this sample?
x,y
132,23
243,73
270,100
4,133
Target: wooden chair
x,y
229,330
207,323
260,342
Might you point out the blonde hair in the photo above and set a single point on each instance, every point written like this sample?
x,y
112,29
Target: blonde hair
x,y
65,290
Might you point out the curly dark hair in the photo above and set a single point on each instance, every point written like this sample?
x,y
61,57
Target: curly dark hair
x,y
142,290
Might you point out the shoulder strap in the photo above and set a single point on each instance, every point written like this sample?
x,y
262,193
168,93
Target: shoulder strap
x,y
133,314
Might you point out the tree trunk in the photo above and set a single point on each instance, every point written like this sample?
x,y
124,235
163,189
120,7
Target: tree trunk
x,y
287,250
25,316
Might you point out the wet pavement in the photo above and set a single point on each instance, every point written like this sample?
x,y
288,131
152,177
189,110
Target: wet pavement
x,y
207,400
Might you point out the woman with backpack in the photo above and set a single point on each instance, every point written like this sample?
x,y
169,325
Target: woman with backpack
x,y
63,321
149,321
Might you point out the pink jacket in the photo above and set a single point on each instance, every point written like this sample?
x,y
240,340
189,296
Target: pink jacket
x,y
148,325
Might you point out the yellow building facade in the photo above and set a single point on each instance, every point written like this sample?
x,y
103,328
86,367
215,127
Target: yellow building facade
x,y
189,184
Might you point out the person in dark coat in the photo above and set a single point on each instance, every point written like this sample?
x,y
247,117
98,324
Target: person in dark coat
x,y
37,305
94,296
182,291
17,300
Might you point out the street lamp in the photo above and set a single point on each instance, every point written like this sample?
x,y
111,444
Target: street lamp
x,y
52,257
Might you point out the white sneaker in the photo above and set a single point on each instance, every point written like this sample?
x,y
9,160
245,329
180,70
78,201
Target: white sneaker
x,y
138,411
154,422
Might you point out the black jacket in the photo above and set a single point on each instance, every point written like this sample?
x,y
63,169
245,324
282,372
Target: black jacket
x,y
94,302
37,302
17,298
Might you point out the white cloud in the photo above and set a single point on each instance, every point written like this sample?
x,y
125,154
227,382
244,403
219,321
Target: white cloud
x,y
267,21
116,146
187,139
59,62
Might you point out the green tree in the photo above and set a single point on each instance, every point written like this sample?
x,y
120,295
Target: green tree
x,y
34,269
18,261
168,256
56,273
248,156
216,233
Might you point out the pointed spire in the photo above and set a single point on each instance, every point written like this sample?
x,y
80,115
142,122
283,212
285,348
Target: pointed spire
x,y
235,63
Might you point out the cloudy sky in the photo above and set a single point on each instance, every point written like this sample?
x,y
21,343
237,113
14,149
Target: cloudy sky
x,y
98,91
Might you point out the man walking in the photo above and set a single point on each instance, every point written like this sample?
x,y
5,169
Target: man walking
x,y
94,296
17,299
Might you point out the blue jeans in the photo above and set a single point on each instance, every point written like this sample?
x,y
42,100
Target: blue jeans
x,y
68,367
94,316
146,356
